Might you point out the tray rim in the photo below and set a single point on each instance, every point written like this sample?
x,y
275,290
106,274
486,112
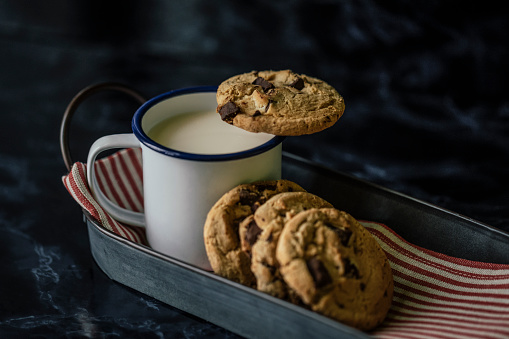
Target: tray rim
x,y
397,193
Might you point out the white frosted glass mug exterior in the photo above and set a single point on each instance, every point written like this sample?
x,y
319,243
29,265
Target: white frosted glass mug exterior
x,y
180,187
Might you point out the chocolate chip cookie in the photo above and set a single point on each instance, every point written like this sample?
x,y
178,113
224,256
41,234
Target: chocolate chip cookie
x,y
270,219
336,267
221,229
279,103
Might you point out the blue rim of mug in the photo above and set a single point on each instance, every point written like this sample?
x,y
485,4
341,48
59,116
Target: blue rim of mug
x,y
143,137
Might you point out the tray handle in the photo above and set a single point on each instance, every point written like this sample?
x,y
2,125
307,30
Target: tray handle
x,y
77,100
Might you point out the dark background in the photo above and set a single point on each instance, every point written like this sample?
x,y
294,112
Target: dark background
x,y
427,114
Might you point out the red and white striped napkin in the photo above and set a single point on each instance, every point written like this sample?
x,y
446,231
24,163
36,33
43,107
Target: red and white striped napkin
x,y
120,178
438,296
435,296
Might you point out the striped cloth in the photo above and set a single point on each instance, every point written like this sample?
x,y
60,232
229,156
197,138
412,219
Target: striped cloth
x,y
435,296
119,177
438,296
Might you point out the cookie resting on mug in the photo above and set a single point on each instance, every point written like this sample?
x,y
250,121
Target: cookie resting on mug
x,y
279,103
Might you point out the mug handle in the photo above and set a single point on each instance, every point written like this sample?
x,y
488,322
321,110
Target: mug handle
x,y
102,144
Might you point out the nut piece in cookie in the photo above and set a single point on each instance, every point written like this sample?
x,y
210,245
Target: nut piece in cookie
x,y
221,229
336,267
279,103
270,219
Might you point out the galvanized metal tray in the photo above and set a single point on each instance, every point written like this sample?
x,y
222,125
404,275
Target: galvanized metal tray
x,y
254,314
242,310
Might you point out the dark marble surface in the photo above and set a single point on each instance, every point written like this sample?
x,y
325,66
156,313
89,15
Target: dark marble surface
x,y
427,115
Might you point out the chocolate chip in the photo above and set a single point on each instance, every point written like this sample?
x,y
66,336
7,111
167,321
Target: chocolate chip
x,y
351,270
298,84
257,113
251,199
267,187
362,286
252,233
263,83
228,111
343,234
319,273
248,198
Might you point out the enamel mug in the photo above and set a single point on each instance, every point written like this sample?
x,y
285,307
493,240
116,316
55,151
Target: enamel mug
x,y
195,160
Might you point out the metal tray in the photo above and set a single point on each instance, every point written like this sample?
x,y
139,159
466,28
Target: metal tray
x,y
241,309
253,314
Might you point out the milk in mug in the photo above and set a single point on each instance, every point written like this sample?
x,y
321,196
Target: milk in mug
x,y
203,132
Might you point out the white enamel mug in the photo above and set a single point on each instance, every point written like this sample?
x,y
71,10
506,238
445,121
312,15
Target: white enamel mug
x,y
180,187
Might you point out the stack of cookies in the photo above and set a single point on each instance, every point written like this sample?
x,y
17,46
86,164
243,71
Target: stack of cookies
x,y
276,237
